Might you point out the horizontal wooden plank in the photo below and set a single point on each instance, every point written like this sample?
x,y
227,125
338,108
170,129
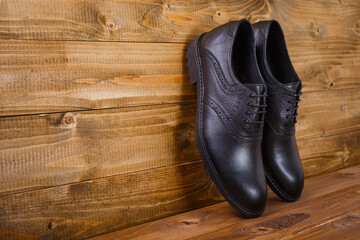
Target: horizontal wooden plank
x,y
81,210
42,77
38,151
52,76
324,155
90,208
170,21
326,199
339,227
328,113
55,76
87,208
47,150
298,218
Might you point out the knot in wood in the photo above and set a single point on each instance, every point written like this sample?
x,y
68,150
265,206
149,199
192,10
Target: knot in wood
x,y
69,119
166,6
108,20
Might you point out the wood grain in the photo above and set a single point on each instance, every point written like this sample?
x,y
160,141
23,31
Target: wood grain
x,y
80,158
97,206
328,113
81,210
299,217
170,21
326,203
43,77
345,226
38,151
55,76
44,150
324,155
52,76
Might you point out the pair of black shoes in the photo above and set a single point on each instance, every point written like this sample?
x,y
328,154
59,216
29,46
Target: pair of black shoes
x,y
243,71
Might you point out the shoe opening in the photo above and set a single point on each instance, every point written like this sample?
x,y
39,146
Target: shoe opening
x,y
243,58
277,56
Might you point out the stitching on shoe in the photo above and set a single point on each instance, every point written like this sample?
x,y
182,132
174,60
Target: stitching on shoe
x,y
232,89
219,72
238,138
271,119
278,131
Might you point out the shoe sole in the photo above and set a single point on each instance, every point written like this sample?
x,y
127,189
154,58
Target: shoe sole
x,y
196,77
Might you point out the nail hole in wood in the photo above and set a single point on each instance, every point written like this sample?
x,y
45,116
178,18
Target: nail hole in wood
x,y
50,225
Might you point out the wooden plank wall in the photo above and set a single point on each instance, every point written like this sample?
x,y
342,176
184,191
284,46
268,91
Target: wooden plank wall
x,y
97,119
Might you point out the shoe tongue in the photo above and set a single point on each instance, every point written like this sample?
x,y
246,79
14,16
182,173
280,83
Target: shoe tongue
x,y
256,87
294,86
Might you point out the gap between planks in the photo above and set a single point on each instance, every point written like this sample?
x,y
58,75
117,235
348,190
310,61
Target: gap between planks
x,y
100,109
99,178
148,105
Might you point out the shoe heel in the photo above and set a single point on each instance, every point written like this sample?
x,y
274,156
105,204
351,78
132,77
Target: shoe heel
x,y
192,60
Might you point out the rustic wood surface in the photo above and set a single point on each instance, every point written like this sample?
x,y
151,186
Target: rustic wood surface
x,y
38,151
97,119
77,211
169,21
329,208
53,76
97,206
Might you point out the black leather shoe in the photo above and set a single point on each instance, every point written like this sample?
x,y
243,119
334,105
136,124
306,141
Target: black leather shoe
x,y
230,113
282,163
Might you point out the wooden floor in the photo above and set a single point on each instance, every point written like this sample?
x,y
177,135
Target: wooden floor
x,y
328,209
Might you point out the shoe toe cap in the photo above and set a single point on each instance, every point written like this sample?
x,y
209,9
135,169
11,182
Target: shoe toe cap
x,y
293,184
250,196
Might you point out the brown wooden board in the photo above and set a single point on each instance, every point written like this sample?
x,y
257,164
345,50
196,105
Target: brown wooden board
x,y
328,209
38,151
170,21
97,119
97,206
58,76
52,76
80,210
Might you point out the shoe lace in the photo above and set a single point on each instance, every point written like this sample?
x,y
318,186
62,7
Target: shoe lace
x,y
293,110
259,109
